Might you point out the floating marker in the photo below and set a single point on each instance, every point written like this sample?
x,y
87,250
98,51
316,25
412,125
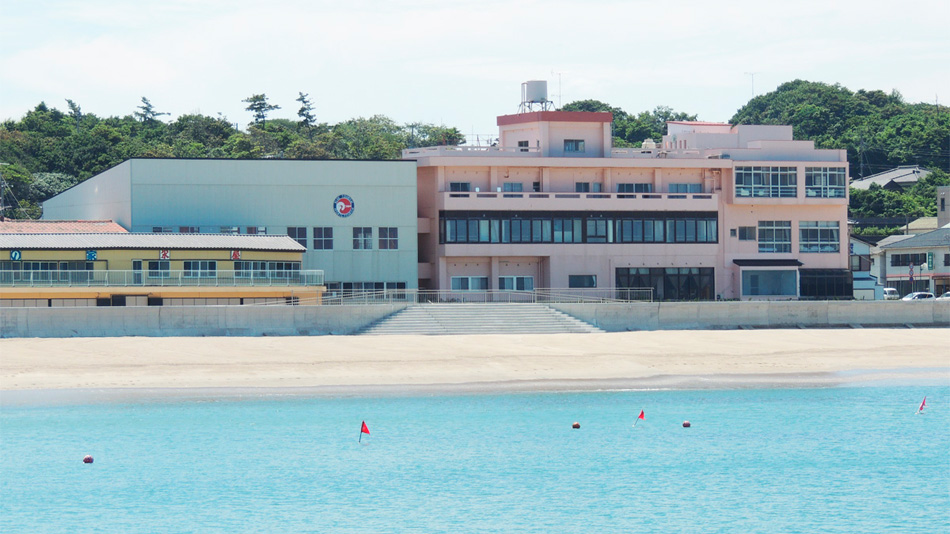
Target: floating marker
x,y
87,459
576,425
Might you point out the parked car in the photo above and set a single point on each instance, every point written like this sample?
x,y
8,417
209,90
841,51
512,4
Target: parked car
x,y
945,296
891,293
919,295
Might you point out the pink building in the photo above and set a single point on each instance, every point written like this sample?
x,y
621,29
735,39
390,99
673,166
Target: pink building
x,y
713,211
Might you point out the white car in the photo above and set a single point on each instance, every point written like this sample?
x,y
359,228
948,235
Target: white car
x,y
891,293
919,295
945,296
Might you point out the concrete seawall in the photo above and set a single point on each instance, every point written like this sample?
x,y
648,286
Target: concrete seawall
x,y
341,320
191,320
621,317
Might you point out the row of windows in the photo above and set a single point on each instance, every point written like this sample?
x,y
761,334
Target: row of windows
x,y
772,182
906,260
655,228
362,237
586,187
266,269
75,271
776,236
782,182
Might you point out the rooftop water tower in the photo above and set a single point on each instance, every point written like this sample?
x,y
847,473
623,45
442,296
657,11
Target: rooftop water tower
x,y
534,97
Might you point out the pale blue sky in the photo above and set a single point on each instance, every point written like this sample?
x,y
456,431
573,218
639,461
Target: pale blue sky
x,y
457,63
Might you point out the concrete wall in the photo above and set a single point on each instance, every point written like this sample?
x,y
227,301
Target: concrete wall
x,y
191,320
724,315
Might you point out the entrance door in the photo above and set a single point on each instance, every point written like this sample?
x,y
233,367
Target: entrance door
x,y
137,272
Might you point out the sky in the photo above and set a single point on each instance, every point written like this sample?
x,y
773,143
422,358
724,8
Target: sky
x,y
458,64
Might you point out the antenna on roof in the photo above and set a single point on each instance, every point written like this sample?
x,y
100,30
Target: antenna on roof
x,y
534,93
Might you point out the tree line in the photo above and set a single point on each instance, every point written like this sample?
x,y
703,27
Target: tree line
x,y
48,150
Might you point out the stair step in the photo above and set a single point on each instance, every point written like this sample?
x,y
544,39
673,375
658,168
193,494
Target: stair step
x,y
479,318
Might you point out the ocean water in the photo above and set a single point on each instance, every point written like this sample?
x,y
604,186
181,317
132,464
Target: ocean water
x,y
763,461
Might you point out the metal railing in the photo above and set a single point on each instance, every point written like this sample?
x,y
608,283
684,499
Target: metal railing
x,y
577,195
105,278
452,150
426,296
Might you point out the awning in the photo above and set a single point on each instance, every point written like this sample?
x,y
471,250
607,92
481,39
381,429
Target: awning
x,y
768,263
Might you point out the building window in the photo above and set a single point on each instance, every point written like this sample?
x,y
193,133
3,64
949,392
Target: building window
x,y
597,231
666,283
469,283
187,229
574,145
635,188
253,230
298,234
388,238
770,182
523,146
460,187
826,182
267,269
775,236
581,281
512,187
686,188
516,283
200,269
159,269
162,230
825,284
818,236
946,260
906,260
362,238
747,233
322,238
229,230
777,283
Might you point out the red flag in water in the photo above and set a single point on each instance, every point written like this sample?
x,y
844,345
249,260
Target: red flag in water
x,y
641,415
365,429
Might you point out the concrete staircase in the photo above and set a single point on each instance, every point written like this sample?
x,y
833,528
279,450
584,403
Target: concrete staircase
x,y
494,318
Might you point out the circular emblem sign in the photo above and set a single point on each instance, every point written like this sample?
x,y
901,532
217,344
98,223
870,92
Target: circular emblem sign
x,y
344,205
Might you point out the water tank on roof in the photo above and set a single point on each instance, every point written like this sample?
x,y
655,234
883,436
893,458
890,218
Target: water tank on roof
x,y
648,144
534,92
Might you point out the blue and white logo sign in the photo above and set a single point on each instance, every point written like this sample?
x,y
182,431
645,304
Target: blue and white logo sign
x,y
15,255
344,205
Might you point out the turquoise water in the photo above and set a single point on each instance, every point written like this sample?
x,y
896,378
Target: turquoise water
x,y
809,460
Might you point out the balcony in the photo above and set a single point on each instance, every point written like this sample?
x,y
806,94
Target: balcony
x,y
106,278
558,201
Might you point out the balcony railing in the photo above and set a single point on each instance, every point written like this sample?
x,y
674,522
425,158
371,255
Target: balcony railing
x,y
159,278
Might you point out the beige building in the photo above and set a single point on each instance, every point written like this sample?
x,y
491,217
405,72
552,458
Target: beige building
x,y
125,269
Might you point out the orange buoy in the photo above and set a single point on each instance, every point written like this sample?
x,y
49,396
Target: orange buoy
x,y
686,424
576,425
87,459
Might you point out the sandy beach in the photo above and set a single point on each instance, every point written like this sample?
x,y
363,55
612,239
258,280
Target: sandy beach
x,y
379,364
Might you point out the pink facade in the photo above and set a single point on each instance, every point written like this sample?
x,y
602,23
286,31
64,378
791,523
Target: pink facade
x,y
711,211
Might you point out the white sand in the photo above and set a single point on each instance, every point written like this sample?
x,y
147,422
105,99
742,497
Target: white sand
x,y
732,358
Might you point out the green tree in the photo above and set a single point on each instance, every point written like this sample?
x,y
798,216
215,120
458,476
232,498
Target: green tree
x,y
260,107
147,113
307,120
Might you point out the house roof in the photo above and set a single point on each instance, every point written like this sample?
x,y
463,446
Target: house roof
x,y
273,243
937,238
905,175
29,226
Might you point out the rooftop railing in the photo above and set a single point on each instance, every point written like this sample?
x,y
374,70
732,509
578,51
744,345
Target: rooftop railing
x,y
431,151
569,194
162,278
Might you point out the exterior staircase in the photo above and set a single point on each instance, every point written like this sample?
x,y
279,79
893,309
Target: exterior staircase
x,y
489,318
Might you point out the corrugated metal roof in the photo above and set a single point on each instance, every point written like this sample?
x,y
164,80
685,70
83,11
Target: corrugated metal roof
x,y
907,174
275,243
937,238
14,226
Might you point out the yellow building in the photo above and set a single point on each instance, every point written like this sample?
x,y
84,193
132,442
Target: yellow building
x,y
124,269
